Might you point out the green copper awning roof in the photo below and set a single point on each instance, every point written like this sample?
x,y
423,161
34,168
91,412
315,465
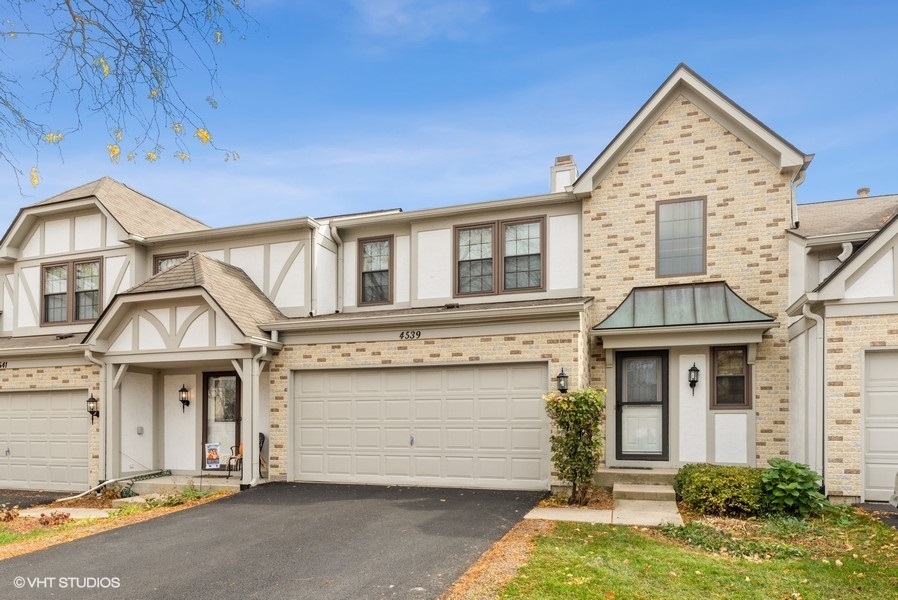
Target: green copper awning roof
x,y
711,303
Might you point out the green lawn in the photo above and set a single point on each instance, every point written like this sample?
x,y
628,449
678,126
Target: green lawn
x,y
843,555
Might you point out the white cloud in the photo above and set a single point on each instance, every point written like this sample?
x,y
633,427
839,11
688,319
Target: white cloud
x,y
419,20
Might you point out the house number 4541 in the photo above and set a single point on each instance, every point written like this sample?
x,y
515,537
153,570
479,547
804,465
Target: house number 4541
x,y
410,335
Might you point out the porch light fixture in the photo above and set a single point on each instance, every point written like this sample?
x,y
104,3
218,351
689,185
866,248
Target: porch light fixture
x,y
93,407
693,377
561,380
183,396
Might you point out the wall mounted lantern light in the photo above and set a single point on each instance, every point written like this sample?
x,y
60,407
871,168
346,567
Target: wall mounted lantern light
x,y
561,381
693,377
93,407
184,397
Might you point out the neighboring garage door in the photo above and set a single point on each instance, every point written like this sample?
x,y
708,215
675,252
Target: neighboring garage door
x,y
43,440
880,425
473,426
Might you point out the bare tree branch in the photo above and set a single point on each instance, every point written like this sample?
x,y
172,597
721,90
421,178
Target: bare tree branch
x,y
120,59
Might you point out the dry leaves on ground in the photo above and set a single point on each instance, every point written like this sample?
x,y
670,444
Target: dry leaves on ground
x,y
499,565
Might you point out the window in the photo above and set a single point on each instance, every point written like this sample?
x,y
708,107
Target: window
x,y
71,291
731,385
163,262
475,260
374,269
680,248
516,259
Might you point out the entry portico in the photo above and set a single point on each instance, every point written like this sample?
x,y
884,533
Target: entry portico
x,y
194,326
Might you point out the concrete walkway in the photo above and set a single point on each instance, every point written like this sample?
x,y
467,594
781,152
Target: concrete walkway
x,y
646,513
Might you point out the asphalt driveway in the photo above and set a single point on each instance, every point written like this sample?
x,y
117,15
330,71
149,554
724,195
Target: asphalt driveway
x,y
281,540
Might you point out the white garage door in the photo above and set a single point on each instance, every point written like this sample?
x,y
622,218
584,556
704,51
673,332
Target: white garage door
x,y
43,440
478,426
880,425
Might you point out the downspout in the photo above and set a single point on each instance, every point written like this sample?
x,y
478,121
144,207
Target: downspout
x,y
795,181
339,241
313,269
88,354
821,394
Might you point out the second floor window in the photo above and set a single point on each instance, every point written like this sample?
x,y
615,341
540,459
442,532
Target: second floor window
x,y
71,291
163,262
374,268
680,234
505,256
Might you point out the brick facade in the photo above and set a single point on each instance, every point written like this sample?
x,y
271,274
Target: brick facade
x,y
686,154
847,338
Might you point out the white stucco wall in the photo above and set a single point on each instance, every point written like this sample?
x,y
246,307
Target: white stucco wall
x,y
138,427
181,429
693,410
434,272
563,249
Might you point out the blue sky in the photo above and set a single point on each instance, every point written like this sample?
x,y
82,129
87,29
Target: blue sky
x,y
344,106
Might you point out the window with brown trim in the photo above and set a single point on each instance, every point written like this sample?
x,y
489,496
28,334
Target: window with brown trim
x,y
163,262
375,270
680,232
731,385
500,257
70,292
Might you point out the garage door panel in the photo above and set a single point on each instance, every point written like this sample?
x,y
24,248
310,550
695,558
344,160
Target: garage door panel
x,y
397,410
460,409
880,424
339,410
398,382
314,384
428,382
368,464
428,438
454,426
311,410
367,438
367,410
428,409
44,440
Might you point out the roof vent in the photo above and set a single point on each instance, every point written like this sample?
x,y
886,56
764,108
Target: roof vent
x,y
863,192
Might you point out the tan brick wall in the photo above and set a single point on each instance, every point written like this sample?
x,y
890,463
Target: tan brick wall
x,y
686,154
61,377
847,338
560,349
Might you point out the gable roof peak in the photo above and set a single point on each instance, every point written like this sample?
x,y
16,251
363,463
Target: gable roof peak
x,y
683,81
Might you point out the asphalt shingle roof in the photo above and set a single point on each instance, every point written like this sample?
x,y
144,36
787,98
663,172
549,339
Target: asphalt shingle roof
x,y
228,285
846,216
137,214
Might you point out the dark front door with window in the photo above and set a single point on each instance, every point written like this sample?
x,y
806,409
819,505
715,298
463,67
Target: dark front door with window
x,y
642,405
221,419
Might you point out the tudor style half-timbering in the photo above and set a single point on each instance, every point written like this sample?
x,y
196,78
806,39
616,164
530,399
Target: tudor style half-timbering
x,y
728,324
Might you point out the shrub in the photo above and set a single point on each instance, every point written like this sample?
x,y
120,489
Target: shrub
x,y
721,490
54,518
577,437
793,489
8,513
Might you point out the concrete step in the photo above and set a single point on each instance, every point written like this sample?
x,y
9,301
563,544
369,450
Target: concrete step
x,y
605,477
639,491
176,483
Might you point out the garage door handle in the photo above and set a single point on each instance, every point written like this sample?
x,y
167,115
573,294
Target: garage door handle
x,y
411,440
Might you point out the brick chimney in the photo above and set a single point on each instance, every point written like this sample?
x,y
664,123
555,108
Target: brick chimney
x,y
863,192
563,173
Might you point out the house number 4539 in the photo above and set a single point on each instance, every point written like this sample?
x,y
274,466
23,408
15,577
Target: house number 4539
x,y
410,335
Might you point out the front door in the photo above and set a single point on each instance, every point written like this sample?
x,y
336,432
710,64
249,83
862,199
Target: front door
x,y
642,405
221,419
